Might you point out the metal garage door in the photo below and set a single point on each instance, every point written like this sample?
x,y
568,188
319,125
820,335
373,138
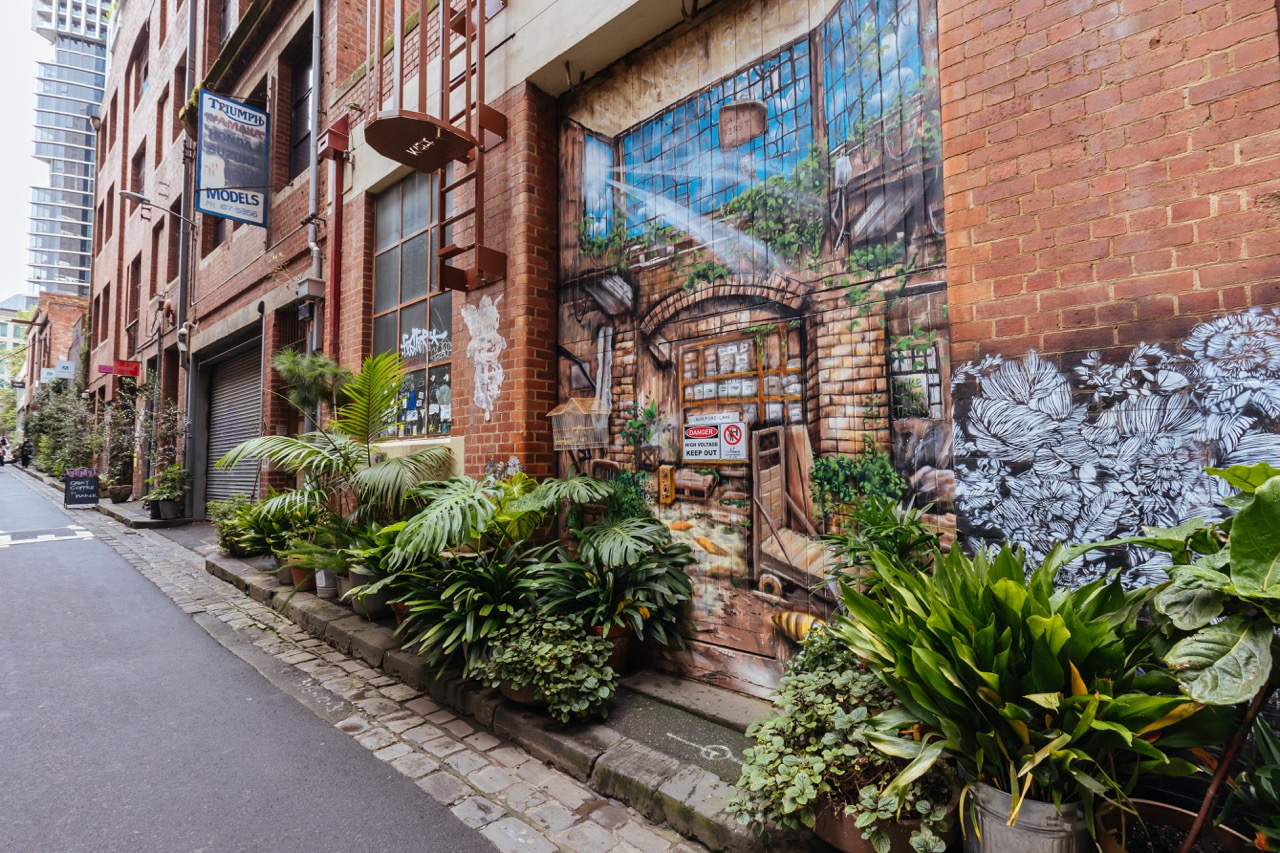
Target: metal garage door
x,y
235,401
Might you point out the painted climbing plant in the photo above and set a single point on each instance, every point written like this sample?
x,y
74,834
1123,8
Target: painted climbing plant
x,y
1097,451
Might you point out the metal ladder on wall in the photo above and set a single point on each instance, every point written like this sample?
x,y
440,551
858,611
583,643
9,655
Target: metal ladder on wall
x,y
451,143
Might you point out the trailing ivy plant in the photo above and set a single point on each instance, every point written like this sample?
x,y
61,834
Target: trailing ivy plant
x,y
557,658
816,753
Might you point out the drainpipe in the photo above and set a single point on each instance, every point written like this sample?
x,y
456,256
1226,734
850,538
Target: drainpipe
x,y
313,192
333,295
185,238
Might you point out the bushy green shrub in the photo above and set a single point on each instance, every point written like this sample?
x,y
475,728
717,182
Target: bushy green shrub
x,y
815,753
558,659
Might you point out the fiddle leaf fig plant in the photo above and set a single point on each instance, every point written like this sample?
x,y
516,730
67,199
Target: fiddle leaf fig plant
x,y
1222,603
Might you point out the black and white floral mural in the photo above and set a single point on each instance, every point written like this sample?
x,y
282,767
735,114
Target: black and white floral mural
x,y
1045,453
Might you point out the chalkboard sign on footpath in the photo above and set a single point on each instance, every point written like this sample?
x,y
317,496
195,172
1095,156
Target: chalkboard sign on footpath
x,y
81,487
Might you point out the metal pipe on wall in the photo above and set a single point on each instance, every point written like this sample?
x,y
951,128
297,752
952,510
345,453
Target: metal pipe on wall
x,y
186,237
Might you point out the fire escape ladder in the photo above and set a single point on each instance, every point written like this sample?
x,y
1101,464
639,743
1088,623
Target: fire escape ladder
x,y
465,260
451,143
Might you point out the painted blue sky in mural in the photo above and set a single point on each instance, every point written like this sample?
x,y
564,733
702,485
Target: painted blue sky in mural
x,y
871,55
672,169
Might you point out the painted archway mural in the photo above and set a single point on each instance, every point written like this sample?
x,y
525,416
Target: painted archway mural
x,y
752,247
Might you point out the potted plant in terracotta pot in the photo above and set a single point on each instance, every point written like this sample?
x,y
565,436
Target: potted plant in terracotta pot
x,y
813,765
1054,703
628,579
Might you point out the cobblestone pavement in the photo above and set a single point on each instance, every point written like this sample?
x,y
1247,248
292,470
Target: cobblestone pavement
x,y
514,800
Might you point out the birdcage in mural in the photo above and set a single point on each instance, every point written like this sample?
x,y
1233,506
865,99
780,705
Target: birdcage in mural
x,y
581,423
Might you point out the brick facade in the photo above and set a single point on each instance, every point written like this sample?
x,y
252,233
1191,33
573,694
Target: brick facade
x,y
1112,170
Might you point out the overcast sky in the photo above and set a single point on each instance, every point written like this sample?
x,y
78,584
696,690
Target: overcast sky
x,y
20,48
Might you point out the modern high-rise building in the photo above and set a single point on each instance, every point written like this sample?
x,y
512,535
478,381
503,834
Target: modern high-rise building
x,y
68,93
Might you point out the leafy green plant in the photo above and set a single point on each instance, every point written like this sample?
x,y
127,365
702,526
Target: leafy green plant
x,y
60,425
268,526
556,657
459,603
628,573
170,484
487,513
632,496
838,482
313,379
227,518
341,466
816,752
1053,695
1257,789
1222,604
637,429
878,523
787,212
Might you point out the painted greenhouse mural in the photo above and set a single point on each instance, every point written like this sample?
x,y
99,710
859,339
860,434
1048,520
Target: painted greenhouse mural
x,y
753,314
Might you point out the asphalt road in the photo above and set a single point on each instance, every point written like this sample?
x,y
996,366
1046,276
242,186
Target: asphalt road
x,y
125,726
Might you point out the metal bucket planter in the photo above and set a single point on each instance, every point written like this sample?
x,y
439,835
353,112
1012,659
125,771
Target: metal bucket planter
x,y
326,584
170,510
1041,827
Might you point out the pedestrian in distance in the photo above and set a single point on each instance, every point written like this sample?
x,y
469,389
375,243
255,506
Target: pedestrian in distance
x,y
4,449
24,451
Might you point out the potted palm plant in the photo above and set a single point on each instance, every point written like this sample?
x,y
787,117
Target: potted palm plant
x,y
628,579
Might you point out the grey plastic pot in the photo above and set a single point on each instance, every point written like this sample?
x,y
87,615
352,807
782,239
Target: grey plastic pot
x,y
1041,827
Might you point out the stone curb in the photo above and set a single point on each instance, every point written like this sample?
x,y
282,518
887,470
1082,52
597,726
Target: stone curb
x,y
663,788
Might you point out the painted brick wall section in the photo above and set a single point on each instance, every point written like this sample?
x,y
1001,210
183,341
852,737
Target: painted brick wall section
x,y
1112,169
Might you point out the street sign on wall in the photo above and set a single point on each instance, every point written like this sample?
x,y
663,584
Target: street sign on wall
x,y
64,369
232,160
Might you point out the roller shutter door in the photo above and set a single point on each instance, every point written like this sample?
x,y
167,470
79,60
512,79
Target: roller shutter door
x,y
235,400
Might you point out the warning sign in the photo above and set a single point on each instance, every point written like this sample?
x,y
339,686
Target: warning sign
x,y
733,442
715,442
702,443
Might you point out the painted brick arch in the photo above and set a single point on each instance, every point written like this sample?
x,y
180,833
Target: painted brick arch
x,y
776,288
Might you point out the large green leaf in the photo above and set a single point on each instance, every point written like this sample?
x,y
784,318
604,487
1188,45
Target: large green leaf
x,y
1255,544
1194,598
1225,663
1246,478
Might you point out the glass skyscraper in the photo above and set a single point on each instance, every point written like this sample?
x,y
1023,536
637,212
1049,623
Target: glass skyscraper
x,y
68,94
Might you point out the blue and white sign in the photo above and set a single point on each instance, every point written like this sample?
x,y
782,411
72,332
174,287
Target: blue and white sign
x,y
232,160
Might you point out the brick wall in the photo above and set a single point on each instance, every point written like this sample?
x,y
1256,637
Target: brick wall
x,y
1112,169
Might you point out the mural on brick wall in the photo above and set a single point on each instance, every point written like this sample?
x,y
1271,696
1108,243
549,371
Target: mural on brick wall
x,y
753,309
1095,451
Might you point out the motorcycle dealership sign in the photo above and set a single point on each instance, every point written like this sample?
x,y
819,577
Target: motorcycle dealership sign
x,y
232,160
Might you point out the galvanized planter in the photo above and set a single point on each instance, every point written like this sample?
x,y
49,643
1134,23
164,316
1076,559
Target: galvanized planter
x,y
1041,827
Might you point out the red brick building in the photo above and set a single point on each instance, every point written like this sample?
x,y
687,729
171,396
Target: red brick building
x,y
1025,254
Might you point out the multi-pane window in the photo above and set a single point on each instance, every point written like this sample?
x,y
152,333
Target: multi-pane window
x,y
300,117
677,154
409,317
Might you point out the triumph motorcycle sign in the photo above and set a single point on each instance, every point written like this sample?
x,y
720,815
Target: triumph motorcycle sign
x,y
232,160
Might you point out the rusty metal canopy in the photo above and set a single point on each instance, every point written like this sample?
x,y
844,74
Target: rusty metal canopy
x,y
416,139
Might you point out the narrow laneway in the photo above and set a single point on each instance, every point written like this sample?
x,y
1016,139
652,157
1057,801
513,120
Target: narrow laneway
x,y
125,726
